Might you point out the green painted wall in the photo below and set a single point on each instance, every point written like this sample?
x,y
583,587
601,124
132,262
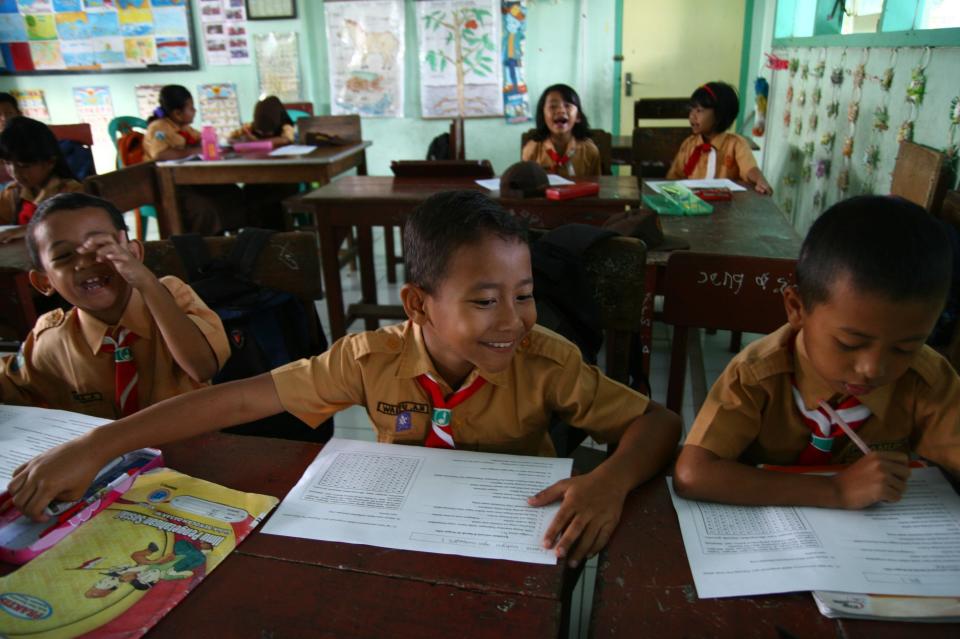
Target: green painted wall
x,y
567,41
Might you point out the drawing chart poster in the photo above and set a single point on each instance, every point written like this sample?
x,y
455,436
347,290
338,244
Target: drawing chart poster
x,y
516,101
278,65
95,107
89,35
365,50
32,103
225,40
148,99
460,68
219,107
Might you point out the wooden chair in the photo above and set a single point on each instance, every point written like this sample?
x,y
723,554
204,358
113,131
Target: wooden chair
x,y
654,149
442,168
129,189
660,109
306,107
80,132
950,213
703,290
345,128
601,138
920,175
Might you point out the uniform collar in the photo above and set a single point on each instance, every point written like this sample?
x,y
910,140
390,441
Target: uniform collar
x,y
571,147
415,361
813,387
134,318
52,187
716,141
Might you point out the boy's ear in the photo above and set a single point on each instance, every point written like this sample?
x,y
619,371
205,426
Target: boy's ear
x,y
793,305
40,281
134,246
414,300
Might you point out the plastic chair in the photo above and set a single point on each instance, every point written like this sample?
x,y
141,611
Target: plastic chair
x,y
296,114
116,128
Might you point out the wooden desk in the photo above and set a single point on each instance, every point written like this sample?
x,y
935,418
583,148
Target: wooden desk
x,y
320,166
645,589
365,202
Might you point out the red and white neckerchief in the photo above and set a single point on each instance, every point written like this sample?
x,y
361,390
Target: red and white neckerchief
x,y
125,369
698,151
823,430
441,433
563,160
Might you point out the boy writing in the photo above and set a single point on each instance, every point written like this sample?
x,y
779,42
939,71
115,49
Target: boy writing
x,y
130,341
471,327
872,278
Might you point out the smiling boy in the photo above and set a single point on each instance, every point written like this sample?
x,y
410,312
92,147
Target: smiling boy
x,y
872,279
469,370
130,341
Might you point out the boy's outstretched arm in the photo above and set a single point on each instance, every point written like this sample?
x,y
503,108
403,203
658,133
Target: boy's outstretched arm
x,y
702,474
592,503
66,471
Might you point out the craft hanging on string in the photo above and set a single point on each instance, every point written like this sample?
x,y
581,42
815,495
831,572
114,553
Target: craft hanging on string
x,y
914,95
798,127
775,62
789,93
843,179
952,148
794,65
807,149
816,95
836,76
847,150
859,73
762,90
818,200
833,109
827,140
881,118
804,71
802,99
905,132
819,68
823,168
917,86
871,157
853,112
813,122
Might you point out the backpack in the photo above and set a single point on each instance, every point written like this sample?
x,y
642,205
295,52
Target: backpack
x,y
129,148
266,328
439,148
79,158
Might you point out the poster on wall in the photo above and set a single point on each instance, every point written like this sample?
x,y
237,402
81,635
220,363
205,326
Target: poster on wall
x,y
278,65
94,35
32,103
219,108
516,102
365,51
95,107
460,68
224,24
148,99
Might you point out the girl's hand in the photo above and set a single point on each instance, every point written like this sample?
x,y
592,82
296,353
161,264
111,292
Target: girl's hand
x,y
117,251
763,187
16,233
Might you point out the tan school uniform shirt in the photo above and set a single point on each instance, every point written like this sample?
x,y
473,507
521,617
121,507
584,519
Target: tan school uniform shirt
x,y
61,364
163,134
14,194
509,414
584,157
734,158
751,414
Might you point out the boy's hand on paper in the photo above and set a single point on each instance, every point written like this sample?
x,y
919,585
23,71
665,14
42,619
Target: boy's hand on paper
x,y
879,476
118,253
587,517
61,473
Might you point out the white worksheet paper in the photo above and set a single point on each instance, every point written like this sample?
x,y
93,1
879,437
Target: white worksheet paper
x,y
717,183
907,548
292,150
25,432
413,498
493,184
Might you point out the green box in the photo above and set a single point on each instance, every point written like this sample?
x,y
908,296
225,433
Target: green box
x,y
676,199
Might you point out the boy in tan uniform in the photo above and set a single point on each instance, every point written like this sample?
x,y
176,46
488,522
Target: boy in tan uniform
x,y
469,369
872,279
130,341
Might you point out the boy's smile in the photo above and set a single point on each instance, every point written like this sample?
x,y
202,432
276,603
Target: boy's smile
x,y
859,341
93,286
481,309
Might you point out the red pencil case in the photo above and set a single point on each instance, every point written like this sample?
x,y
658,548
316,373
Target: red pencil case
x,y
569,191
719,194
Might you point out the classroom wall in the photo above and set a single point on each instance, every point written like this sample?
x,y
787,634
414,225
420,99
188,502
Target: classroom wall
x,y
567,41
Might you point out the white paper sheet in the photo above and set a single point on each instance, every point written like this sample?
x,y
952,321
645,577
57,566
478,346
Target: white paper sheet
x,y
908,548
720,183
293,149
25,432
493,184
414,498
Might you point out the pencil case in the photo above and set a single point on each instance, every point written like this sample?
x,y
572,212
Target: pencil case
x,y
676,199
570,191
22,539
257,146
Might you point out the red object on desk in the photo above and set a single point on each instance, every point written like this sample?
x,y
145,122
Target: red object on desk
x,y
714,195
570,191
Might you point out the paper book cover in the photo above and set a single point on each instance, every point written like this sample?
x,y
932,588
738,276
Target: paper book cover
x,y
117,575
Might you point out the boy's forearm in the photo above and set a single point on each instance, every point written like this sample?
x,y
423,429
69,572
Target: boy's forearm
x,y
646,446
187,343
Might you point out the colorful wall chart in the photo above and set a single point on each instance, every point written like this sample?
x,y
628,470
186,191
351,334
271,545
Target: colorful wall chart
x,y
516,101
219,108
40,36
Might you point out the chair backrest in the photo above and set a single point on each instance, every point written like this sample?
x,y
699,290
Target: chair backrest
x,y
80,132
289,262
344,127
601,138
654,149
660,109
128,188
296,114
306,107
920,175
705,290
123,123
442,168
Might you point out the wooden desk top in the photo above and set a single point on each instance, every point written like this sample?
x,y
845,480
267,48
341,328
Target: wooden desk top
x,y
322,155
13,255
645,589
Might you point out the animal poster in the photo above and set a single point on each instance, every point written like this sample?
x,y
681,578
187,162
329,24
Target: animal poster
x,y
516,101
460,67
365,50
278,65
95,107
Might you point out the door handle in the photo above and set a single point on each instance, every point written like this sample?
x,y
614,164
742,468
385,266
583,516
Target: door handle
x,y
628,84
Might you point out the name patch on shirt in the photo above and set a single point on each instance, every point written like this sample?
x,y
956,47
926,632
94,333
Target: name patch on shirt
x,y
87,398
396,409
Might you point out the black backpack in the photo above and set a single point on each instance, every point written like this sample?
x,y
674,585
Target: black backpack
x,y
439,148
266,328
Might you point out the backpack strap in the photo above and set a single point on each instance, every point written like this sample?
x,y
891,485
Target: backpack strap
x,y
193,253
576,238
250,243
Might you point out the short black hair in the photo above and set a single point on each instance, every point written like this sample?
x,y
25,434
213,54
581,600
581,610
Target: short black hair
x,y
172,97
581,129
445,222
6,98
27,140
67,202
722,98
886,245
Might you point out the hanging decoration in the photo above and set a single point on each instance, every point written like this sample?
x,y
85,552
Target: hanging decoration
x,y
794,65
762,90
881,119
816,95
833,108
775,62
853,113
827,140
914,95
954,125
516,102
880,124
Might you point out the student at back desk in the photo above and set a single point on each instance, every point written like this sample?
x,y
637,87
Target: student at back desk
x,y
872,278
471,328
